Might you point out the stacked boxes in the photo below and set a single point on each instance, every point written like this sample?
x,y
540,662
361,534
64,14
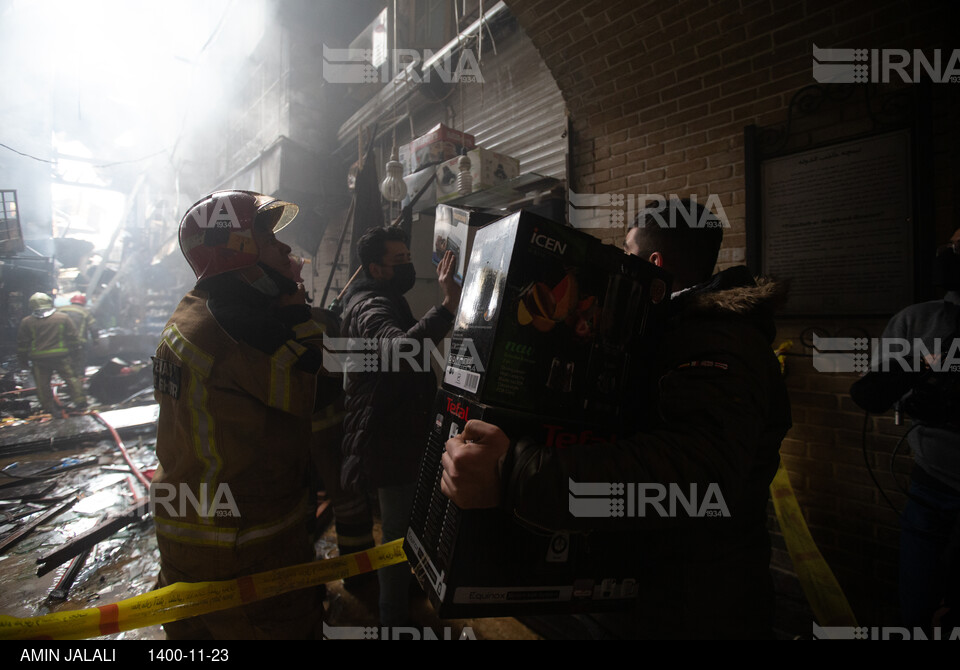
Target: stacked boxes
x,y
553,333
488,168
440,144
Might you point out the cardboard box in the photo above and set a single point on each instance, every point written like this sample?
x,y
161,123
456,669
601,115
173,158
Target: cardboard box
x,y
454,230
477,563
436,146
488,169
558,324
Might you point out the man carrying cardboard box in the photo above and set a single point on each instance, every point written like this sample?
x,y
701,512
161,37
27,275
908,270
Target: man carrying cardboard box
x,y
723,410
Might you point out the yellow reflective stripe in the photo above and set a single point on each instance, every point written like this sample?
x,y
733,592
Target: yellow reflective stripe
x,y
307,329
187,350
354,541
44,352
85,318
327,422
204,433
280,365
189,533
61,348
212,536
331,417
262,532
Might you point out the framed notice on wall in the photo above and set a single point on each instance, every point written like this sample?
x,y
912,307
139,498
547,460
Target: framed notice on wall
x,y
837,222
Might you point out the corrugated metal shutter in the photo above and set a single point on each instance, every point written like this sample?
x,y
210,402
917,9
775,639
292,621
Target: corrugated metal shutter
x,y
518,110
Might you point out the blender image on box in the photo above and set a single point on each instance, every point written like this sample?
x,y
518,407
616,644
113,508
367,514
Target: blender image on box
x,y
454,230
555,318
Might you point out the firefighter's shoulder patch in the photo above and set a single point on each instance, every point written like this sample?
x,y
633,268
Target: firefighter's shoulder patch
x,y
166,377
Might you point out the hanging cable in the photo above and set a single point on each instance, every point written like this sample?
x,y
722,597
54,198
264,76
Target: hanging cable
x,y
123,450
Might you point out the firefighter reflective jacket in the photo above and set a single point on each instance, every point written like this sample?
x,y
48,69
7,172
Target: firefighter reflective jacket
x,y
236,380
83,320
44,337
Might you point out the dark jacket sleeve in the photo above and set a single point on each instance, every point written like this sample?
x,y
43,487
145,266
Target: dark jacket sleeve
x,y
878,390
380,318
719,425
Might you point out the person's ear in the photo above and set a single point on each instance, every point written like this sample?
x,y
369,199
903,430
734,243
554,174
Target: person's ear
x,y
656,259
378,271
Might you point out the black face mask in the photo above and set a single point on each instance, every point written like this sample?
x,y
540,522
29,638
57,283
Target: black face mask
x,y
404,277
946,270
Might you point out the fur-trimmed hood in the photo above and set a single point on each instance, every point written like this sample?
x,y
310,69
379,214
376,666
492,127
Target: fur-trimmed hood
x,y
733,292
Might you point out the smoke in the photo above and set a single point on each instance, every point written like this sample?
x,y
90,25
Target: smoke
x,y
103,92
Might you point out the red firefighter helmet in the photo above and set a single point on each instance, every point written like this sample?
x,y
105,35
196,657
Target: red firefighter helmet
x,y
216,233
78,299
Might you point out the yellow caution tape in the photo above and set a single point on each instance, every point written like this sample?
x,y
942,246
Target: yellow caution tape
x,y
823,592
183,600
781,354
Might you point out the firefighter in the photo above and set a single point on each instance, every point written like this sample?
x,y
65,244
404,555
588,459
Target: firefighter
x,y
48,341
86,327
236,377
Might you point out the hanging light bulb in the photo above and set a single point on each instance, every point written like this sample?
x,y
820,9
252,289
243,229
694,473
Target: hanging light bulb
x,y
393,188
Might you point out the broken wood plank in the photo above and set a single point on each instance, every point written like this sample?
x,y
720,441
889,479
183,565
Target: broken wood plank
x,y
13,539
95,535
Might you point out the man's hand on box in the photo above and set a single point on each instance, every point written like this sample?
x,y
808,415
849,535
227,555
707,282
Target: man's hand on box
x,y
446,273
471,466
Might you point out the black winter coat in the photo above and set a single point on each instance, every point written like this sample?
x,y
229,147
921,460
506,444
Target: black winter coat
x,y
388,413
718,423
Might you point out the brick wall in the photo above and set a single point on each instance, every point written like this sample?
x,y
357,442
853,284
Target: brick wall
x,y
659,94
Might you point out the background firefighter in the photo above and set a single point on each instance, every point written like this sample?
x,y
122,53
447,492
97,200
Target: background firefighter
x,y
48,341
86,326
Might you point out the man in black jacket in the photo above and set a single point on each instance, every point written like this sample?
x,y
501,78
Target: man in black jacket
x,y
723,411
388,411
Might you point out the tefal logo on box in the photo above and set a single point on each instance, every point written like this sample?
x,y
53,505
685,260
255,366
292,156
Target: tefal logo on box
x,y
457,410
